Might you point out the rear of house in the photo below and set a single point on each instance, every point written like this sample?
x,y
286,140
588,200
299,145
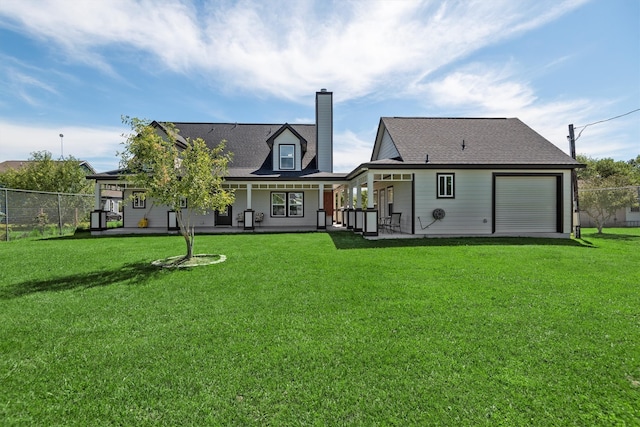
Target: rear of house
x,y
426,177
467,177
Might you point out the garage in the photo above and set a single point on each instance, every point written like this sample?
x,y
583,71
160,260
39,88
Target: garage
x,y
527,203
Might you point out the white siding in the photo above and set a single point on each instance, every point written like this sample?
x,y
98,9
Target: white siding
x,y
388,149
468,213
526,204
261,202
157,215
287,138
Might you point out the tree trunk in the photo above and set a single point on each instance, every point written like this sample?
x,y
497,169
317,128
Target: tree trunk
x,y
188,238
187,233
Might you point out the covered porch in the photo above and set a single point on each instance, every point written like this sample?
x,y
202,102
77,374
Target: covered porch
x,y
266,206
376,203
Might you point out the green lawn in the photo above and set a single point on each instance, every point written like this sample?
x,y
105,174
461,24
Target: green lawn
x,y
322,329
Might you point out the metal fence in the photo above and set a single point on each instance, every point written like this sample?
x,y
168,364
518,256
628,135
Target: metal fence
x,y
25,213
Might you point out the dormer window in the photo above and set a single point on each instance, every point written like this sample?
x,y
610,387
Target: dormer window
x,y
287,157
288,148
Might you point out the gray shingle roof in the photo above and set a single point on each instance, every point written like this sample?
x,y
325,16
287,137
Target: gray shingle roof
x,y
493,141
248,143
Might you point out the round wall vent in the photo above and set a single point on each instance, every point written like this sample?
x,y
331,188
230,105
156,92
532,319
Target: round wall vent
x,y
438,213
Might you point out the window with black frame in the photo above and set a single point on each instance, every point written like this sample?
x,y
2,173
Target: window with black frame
x,y
446,187
287,204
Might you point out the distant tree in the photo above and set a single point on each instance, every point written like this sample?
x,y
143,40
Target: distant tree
x,y
635,167
42,173
171,174
606,186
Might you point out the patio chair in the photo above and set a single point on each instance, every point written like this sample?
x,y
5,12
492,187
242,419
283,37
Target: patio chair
x,y
259,218
383,223
395,222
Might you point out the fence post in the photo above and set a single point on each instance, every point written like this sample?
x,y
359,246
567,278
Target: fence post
x,y
59,214
6,213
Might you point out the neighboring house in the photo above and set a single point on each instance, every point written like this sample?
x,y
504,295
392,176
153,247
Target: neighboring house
x,y
19,164
488,177
624,217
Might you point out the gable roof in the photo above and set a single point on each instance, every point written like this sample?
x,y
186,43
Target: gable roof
x,y
248,143
251,147
487,142
287,126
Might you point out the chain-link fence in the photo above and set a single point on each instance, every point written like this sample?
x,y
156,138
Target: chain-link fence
x,y
610,207
25,213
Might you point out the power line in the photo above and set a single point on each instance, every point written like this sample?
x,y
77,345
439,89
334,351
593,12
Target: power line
x,y
602,121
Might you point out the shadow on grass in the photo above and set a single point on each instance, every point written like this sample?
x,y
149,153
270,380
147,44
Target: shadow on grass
x,y
611,236
134,274
346,240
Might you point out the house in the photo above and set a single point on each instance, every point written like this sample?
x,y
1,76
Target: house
x,y
628,216
281,172
19,164
430,176
465,177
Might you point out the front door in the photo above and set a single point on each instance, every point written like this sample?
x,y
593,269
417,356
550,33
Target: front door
x,y
224,217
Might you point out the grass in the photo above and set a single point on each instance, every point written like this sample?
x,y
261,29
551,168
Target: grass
x,y
322,329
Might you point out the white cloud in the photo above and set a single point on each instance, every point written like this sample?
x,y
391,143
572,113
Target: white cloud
x,y
350,150
98,146
282,48
481,90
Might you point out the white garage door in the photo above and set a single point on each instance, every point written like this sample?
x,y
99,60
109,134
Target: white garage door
x,y
526,204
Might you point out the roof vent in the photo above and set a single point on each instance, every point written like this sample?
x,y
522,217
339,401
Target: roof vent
x,y
427,159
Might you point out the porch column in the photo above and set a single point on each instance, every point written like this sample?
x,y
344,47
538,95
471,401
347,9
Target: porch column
x,y
339,205
321,222
371,215
97,191
98,217
359,214
351,217
370,200
249,214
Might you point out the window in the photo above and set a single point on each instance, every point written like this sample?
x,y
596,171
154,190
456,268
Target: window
x,y
635,208
445,185
183,203
296,207
287,204
278,204
287,157
139,201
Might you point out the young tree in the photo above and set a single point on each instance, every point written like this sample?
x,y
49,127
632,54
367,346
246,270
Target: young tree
x,y
606,186
172,172
42,173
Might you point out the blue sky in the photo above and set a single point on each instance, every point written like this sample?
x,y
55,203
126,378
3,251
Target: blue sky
x,y
74,67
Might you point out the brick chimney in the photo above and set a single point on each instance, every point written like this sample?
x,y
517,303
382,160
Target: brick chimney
x,y
324,130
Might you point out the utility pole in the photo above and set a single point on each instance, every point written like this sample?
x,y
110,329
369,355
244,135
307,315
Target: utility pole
x,y
574,184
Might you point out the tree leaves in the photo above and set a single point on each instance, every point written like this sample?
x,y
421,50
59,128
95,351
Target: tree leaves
x,y
42,173
171,173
